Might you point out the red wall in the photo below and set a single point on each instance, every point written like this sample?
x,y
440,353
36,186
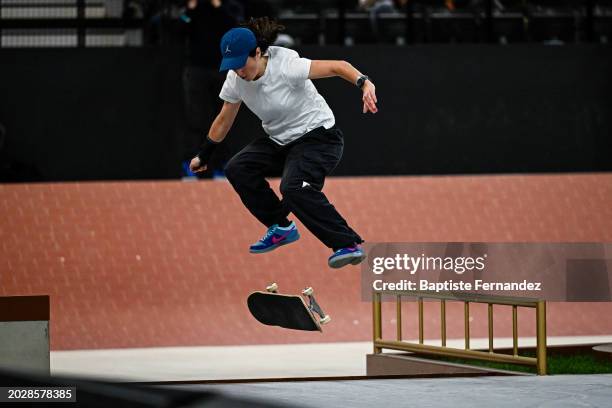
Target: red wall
x,y
139,264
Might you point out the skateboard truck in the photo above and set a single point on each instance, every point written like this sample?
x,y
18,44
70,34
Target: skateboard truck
x,y
314,306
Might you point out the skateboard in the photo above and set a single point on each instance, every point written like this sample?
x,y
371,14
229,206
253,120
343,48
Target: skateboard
x,y
288,311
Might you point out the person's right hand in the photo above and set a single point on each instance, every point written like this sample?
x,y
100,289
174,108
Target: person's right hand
x,y
196,165
369,97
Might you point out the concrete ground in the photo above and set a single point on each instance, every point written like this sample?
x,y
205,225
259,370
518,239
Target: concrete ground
x,y
245,362
551,391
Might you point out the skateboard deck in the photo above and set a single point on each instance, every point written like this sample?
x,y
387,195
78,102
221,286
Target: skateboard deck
x,y
288,311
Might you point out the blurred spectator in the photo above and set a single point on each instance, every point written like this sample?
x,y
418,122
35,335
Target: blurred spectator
x,y
205,22
377,7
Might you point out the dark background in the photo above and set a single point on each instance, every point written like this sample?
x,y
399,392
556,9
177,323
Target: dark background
x,y
101,114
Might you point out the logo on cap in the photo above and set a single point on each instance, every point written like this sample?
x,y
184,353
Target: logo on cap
x,y
227,50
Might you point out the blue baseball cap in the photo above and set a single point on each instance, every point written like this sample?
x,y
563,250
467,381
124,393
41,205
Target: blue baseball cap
x,y
236,45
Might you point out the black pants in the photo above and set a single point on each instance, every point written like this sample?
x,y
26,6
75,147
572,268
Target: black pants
x,y
304,162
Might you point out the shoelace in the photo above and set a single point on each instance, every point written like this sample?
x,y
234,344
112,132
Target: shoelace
x,y
268,234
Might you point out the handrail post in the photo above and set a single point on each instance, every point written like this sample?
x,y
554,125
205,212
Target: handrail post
x,y
515,330
466,317
376,318
490,327
399,317
421,335
443,322
541,336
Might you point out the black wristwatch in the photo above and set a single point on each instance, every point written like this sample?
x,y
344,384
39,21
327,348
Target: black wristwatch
x,y
361,80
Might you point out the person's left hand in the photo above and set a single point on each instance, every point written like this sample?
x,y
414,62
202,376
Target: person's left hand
x,y
369,97
196,165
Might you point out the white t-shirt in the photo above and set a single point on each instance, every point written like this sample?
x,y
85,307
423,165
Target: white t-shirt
x,y
285,100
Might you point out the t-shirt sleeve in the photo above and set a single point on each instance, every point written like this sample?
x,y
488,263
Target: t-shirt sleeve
x,y
297,70
229,91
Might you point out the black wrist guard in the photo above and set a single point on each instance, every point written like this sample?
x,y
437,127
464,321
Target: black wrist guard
x,y
206,150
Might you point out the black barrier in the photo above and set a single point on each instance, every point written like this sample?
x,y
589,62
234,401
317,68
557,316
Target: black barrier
x,y
95,114
475,109
32,389
87,114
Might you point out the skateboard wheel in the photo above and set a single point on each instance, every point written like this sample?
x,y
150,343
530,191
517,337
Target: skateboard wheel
x,y
273,288
308,291
325,320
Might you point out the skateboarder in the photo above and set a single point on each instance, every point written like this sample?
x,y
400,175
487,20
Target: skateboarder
x,y
302,138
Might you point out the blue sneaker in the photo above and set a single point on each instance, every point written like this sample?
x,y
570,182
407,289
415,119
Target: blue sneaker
x,y
275,237
344,256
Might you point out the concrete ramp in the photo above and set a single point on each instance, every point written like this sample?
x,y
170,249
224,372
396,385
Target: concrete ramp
x,y
482,392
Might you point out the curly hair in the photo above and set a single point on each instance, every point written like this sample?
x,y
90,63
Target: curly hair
x,y
266,31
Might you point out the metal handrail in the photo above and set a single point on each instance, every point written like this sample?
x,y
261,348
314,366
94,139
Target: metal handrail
x,y
539,305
